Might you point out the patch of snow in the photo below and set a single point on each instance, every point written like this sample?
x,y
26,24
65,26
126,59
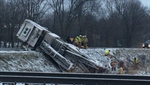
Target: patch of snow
x,y
16,61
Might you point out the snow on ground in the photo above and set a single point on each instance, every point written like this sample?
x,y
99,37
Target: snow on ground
x,y
23,61
123,54
144,60
98,57
32,61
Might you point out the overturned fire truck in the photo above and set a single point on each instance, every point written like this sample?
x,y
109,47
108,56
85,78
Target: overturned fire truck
x,y
64,54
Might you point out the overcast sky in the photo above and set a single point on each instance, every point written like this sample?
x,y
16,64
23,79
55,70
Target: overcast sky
x,y
146,3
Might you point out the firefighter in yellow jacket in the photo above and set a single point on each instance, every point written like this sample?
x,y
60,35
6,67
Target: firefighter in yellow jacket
x,y
107,52
121,70
82,41
135,61
78,41
85,41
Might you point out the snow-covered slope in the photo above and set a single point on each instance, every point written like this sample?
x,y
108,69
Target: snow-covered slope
x,y
35,62
25,61
123,54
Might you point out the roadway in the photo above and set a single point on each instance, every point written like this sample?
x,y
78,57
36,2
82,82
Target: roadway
x,y
74,78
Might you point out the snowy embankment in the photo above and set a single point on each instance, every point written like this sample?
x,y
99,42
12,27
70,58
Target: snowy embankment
x,y
122,54
15,61
32,61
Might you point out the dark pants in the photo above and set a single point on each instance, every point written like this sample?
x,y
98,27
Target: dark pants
x,y
113,69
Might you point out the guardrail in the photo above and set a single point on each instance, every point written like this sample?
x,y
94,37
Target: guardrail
x,y
74,78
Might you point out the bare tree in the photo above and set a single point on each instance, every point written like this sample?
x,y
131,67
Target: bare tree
x,y
91,7
120,19
113,25
32,9
58,12
67,15
10,21
2,10
132,13
13,13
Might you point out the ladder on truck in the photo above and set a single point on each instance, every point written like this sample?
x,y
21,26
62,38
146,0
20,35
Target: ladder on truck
x,y
65,63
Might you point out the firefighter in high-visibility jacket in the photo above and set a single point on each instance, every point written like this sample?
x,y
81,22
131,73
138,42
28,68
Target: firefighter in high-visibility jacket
x,y
77,41
107,52
82,41
135,61
121,70
85,41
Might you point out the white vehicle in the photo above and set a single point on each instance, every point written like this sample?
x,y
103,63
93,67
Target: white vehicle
x,y
64,54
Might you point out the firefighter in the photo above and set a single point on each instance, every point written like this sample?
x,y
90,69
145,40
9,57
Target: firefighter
x,y
135,61
82,41
121,70
68,39
78,41
85,41
72,40
113,65
107,52
121,64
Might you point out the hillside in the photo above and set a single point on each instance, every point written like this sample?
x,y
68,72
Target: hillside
x,y
32,61
126,55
